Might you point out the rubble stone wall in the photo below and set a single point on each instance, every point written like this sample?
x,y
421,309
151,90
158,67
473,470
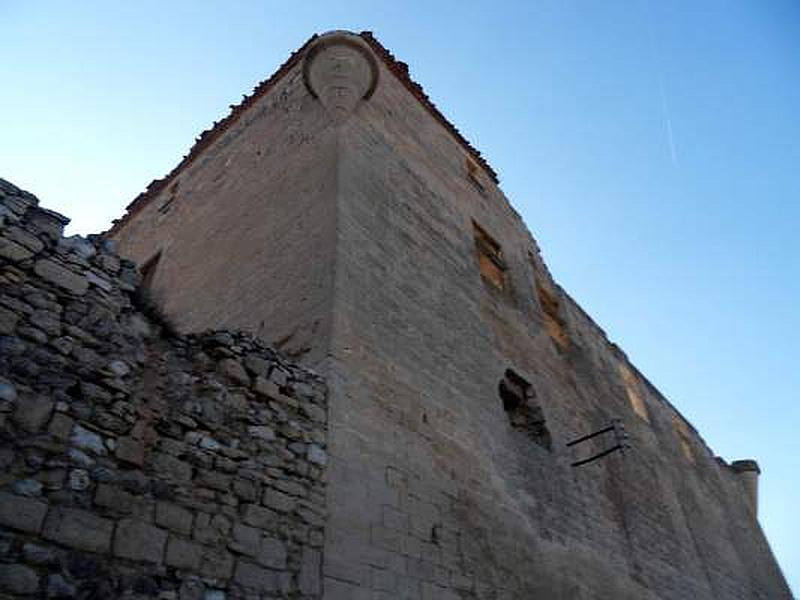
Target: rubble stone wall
x,y
135,462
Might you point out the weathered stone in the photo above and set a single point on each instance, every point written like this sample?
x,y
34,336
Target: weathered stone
x,y
245,490
130,451
8,392
24,238
78,529
266,388
63,344
60,426
272,553
86,439
192,589
52,479
111,496
21,513
183,554
217,563
13,251
278,501
262,432
100,282
108,262
79,480
80,458
48,222
203,530
293,488
279,377
119,368
174,517
257,365
28,487
137,540
79,245
58,587
33,334
18,579
254,577
315,413
317,455
260,517
8,321
214,480
32,413
61,276
234,370
209,443
47,321
246,540
171,468
39,555
297,448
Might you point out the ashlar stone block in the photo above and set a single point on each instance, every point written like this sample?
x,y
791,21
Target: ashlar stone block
x,y
21,513
174,517
78,529
137,540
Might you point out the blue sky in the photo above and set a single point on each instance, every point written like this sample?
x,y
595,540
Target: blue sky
x,y
652,148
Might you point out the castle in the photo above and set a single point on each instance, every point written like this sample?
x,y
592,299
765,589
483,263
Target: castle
x,y
430,438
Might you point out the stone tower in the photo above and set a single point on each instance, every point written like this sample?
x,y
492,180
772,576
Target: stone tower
x,y
337,214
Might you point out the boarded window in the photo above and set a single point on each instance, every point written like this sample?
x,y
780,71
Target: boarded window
x,y
554,324
634,394
684,437
490,257
519,402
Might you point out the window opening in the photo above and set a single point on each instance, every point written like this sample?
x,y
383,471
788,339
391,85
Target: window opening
x,y
148,271
554,323
490,257
684,437
523,412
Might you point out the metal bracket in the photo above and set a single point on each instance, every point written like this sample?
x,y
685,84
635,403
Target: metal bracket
x,y
620,436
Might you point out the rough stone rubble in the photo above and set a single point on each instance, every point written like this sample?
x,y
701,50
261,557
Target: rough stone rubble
x,y
135,462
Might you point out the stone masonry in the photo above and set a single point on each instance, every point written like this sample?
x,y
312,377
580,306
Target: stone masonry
x,y
136,462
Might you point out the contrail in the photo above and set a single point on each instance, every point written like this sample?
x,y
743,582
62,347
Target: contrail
x,y
668,120
664,104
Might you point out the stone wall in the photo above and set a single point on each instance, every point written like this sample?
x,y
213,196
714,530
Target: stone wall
x,y
138,463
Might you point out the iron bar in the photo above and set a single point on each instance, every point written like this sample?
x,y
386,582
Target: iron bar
x,y
598,455
591,435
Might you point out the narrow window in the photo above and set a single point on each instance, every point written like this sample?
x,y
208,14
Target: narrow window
x,y
490,257
148,271
554,324
684,437
519,402
632,389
